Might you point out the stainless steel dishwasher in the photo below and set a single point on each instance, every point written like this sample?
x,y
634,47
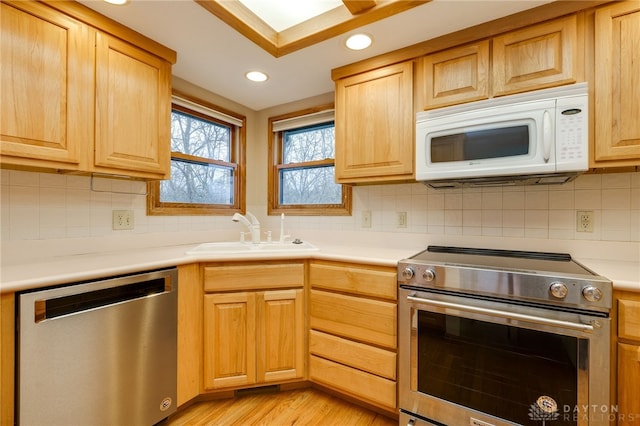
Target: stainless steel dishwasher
x,y
98,353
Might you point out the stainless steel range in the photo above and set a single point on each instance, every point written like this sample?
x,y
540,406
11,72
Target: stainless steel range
x,y
496,337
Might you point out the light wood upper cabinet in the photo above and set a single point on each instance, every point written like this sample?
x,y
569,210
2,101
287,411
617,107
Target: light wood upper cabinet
x,y
536,57
617,85
133,106
46,75
76,98
532,58
455,76
374,125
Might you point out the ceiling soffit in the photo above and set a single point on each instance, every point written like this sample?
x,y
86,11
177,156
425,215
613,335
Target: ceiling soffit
x,y
349,16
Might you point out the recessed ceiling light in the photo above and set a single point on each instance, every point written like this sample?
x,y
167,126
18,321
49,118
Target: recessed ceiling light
x,y
117,2
358,41
256,76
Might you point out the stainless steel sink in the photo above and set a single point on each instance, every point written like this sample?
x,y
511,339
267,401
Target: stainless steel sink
x,y
250,248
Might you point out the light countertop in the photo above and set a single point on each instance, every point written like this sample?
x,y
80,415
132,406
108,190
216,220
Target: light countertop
x,y
25,272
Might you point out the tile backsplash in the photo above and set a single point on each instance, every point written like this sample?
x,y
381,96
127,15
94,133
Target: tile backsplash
x,y
40,206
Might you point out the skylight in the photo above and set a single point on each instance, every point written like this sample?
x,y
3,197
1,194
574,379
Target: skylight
x,y
283,14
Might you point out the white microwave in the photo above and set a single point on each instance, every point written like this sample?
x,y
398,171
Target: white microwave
x,y
537,137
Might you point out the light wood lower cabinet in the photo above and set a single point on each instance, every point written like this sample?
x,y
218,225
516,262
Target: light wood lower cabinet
x,y
253,337
353,330
189,332
628,359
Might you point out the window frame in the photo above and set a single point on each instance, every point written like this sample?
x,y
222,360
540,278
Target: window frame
x,y
275,155
156,207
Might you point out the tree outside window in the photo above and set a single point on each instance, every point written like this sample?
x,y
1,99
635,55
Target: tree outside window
x,y
302,165
206,163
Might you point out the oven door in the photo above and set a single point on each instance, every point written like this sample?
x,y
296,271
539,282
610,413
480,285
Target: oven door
x,y
467,361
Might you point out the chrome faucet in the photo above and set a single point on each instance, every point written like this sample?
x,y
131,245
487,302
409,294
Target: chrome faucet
x,y
253,226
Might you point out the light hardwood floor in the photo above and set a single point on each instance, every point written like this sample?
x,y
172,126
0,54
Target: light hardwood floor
x,y
295,407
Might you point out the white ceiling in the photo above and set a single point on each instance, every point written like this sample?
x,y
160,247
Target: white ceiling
x,y
215,57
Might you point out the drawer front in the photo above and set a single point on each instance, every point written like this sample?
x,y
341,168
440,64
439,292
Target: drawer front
x,y
629,319
354,382
358,355
370,282
369,321
252,277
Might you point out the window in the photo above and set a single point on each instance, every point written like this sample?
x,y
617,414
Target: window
x,y
302,165
207,161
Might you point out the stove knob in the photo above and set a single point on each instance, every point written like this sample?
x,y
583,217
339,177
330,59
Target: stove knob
x,y
407,273
429,275
558,290
592,294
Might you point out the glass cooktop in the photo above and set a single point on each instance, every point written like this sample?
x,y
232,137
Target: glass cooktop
x,y
530,261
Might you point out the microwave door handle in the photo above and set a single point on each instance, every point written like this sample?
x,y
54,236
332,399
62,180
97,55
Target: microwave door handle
x,y
547,135
504,314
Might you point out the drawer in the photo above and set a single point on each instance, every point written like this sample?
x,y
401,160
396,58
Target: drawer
x,y
354,382
353,354
365,320
253,277
366,281
629,319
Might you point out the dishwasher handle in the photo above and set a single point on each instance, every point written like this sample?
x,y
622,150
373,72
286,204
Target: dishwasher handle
x,y
54,307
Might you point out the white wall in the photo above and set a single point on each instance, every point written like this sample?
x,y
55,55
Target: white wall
x,y
38,206
44,206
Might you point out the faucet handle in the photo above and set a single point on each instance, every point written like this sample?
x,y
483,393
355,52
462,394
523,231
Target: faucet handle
x,y
268,234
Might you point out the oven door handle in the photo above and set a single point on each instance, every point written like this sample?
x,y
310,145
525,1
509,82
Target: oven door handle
x,y
504,314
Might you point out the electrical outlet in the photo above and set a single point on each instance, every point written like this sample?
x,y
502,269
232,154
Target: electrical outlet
x,y
401,219
584,221
366,219
122,219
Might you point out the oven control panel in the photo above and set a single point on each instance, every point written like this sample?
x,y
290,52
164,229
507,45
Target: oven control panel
x,y
536,287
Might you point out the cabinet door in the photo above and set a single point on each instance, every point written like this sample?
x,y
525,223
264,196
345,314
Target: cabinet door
x,y
628,379
280,335
455,75
540,56
46,93
374,125
133,110
229,340
617,83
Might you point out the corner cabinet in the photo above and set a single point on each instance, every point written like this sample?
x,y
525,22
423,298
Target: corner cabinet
x,y
374,123
254,327
353,330
628,357
79,99
617,85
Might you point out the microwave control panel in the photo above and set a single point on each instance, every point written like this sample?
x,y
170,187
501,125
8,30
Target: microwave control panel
x,y
572,117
